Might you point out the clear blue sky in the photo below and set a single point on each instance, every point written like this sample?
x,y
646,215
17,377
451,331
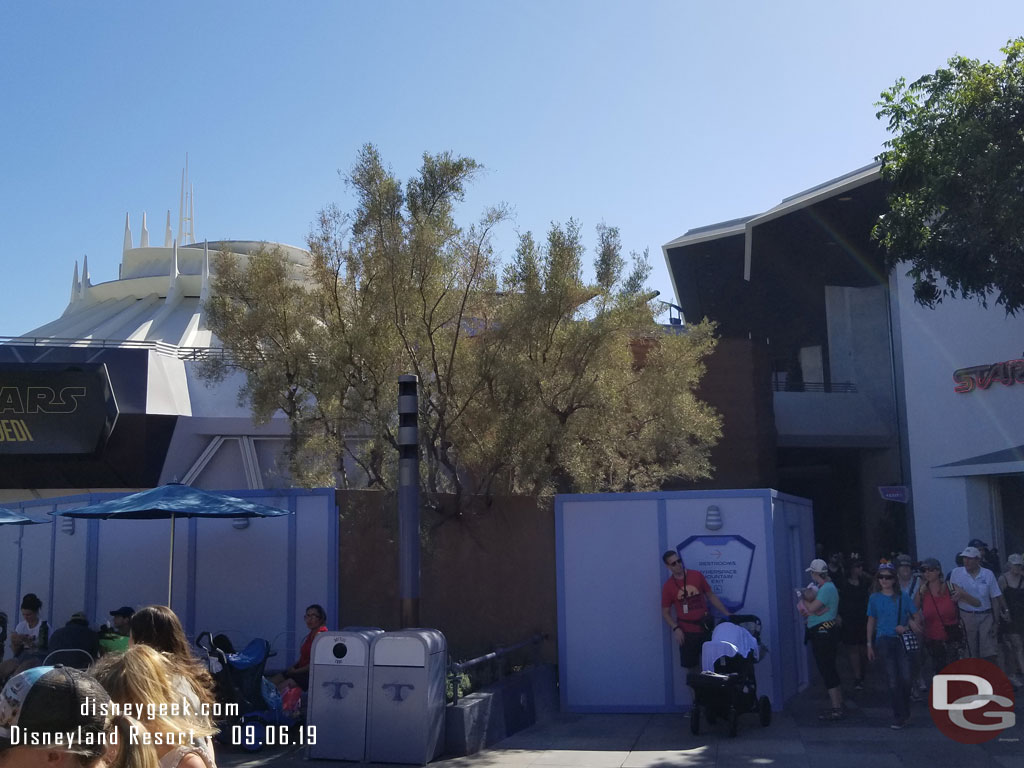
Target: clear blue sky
x,y
653,116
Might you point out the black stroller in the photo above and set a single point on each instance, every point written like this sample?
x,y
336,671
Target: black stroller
x,y
727,688
242,692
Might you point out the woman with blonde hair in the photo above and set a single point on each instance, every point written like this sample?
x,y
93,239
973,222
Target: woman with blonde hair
x,y
158,627
59,717
145,678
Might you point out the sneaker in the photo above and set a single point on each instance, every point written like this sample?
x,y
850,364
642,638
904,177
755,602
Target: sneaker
x,y
922,686
858,685
831,715
899,725
915,695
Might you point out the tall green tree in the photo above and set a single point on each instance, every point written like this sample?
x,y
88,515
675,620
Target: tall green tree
x,y
955,166
530,382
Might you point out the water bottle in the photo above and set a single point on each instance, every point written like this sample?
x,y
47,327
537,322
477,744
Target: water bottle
x,y
44,636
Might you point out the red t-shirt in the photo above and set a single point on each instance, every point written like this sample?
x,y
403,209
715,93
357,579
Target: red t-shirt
x,y
692,609
937,611
307,647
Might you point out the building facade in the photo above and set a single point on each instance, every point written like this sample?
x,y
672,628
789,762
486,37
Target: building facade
x,y
875,417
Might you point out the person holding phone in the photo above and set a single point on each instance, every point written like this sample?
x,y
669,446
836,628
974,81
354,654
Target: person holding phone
x,y
821,604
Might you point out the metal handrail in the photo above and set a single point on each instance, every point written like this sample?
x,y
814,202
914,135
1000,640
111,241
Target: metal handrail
x,y
497,653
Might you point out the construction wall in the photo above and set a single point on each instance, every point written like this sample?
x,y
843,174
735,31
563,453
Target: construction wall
x,y
488,575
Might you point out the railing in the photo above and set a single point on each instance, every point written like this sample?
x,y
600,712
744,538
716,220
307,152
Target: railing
x,y
160,347
497,653
781,385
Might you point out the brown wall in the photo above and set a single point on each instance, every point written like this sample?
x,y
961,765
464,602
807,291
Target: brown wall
x,y
487,576
738,385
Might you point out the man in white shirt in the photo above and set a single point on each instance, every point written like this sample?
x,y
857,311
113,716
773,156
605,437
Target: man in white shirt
x,y
979,598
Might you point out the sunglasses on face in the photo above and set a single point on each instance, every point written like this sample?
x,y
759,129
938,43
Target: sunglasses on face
x,y
674,563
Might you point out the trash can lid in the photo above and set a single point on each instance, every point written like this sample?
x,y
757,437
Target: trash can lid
x,y
407,647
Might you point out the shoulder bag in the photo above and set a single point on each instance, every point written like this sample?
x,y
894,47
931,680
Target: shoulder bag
x,y
908,638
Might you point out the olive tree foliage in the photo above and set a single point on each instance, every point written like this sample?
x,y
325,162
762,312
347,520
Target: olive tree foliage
x,y
955,166
531,379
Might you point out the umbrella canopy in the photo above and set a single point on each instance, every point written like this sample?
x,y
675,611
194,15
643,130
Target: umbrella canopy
x,y
171,502
7,517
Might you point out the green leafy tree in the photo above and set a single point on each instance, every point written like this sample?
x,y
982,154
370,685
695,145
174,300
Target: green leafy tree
x,y
530,382
955,168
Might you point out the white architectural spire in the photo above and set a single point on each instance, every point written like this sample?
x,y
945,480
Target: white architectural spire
x,y
127,233
175,272
84,283
167,234
144,241
74,284
204,290
191,213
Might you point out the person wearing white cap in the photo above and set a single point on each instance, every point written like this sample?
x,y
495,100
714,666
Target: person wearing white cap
x,y
1011,583
979,595
822,606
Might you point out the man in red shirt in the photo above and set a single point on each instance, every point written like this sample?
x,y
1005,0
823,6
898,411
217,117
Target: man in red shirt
x,y
688,592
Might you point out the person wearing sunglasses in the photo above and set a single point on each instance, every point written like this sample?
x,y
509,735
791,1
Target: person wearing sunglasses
x,y
688,593
981,601
937,601
891,614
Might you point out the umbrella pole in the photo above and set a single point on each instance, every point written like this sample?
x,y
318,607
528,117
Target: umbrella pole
x,y
170,569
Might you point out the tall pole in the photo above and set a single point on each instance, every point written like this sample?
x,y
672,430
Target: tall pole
x,y
408,500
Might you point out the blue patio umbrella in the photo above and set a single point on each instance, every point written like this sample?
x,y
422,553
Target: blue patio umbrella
x,y
8,517
173,501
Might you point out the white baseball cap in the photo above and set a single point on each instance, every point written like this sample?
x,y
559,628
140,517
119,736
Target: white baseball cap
x,y
817,566
970,552
1015,560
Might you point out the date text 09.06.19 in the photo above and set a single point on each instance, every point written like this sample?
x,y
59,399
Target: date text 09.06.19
x,y
257,734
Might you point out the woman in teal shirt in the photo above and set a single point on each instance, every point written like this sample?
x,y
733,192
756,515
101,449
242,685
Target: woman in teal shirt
x,y
822,606
891,613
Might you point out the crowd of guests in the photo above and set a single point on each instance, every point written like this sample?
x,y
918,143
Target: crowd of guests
x,y
912,620
142,699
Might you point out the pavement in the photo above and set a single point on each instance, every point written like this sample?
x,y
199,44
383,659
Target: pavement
x,y
794,739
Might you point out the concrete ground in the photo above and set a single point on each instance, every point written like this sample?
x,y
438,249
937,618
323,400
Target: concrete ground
x,y
794,739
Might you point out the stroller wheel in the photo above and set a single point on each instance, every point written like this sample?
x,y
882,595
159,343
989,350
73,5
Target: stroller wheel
x,y
695,720
734,719
764,711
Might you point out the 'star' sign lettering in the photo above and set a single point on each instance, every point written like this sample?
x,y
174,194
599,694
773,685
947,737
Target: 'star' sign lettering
x,y
48,409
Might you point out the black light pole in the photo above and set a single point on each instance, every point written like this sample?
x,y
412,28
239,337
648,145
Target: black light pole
x,y
408,500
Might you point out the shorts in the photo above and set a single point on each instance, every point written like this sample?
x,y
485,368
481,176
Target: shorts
x,y
854,632
981,634
689,651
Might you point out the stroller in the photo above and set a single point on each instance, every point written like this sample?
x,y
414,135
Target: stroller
x,y
727,688
246,698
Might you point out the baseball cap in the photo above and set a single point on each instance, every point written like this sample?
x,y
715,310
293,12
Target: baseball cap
x,y
931,562
970,552
1015,560
904,560
48,701
79,617
817,566
124,610
977,543
885,565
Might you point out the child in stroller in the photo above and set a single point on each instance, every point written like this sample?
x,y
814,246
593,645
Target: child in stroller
x,y
245,695
727,686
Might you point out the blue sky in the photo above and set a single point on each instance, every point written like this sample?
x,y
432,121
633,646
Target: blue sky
x,y
653,116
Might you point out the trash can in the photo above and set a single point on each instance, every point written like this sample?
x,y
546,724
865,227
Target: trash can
x,y
339,676
407,696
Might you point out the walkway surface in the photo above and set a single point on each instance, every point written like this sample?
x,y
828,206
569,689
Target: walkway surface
x,y
794,739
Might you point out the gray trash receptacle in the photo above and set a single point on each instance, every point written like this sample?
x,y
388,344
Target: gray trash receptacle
x,y
339,678
407,696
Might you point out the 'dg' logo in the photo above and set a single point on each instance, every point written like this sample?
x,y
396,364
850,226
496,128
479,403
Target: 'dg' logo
x,y
972,701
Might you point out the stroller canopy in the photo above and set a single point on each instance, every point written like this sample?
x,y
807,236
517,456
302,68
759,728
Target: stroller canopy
x,y
728,639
